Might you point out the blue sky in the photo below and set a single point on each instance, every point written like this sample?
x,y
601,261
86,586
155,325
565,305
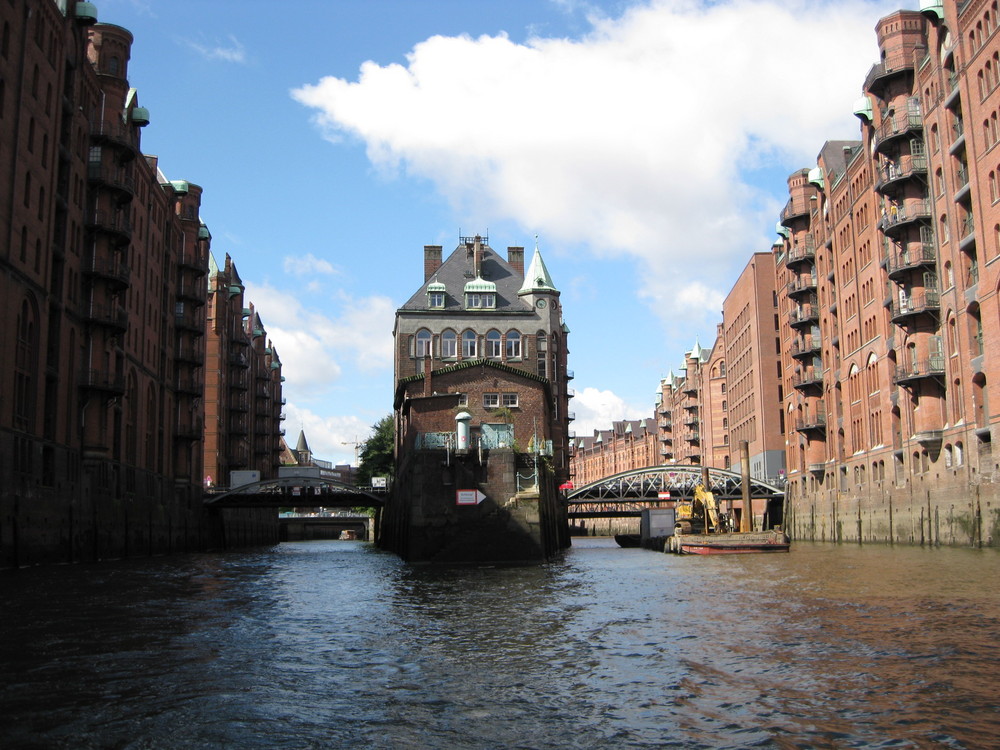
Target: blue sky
x,y
646,144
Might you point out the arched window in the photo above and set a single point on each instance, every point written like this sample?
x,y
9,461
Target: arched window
x,y
423,347
513,345
493,348
469,344
449,344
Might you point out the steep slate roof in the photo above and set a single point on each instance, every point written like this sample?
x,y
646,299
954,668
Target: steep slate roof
x,y
457,271
536,278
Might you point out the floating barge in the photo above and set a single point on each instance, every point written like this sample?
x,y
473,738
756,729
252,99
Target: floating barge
x,y
730,543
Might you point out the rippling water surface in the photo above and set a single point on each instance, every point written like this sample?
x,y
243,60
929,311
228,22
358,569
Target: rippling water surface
x,y
336,644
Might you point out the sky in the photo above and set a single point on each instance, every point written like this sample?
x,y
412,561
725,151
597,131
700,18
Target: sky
x,y
646,144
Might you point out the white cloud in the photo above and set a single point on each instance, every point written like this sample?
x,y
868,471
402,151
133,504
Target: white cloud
x,y
232,52
316,346
330,438
636,140
596,410
307,265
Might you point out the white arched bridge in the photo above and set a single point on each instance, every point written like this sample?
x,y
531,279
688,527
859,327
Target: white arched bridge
x,y
628,493
298,492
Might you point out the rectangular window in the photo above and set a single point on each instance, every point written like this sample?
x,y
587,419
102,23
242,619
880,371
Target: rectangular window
x,y
435,299
463,399
491,400
509,400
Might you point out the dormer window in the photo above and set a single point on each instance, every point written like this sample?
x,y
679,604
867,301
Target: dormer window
x,y
435,295
480,295
479,301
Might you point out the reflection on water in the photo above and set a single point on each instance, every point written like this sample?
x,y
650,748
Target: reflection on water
x,y
330,644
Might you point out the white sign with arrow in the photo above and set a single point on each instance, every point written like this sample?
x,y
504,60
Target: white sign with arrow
x,y
469,497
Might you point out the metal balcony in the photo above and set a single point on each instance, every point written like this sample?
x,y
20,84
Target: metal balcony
x,y
113,271
805,315
899,125
111,223
113,179
809,378
811,422
932,367
802,251
102,381
900,311
902,216
801,285
109,316
806,347
891,176
189,320
188,353
916,257
893,65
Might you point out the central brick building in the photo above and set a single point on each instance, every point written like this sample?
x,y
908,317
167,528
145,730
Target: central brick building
x,y
482,344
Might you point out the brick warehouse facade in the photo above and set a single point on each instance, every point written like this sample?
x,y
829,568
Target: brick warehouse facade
x,y
102,278
886,285
481,342
243,402
889,263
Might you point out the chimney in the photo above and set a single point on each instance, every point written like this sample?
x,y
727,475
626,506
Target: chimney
x,y
515,257
432,260
477,257
427,376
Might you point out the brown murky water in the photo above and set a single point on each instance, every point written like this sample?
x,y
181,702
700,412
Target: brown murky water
x,y
335,644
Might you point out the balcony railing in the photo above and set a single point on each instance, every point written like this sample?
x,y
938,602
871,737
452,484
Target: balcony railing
x,y
906,167
102,380
915,304
807,378
909,211
913,257
110,316
809,422
111,270
900,124
802,251
932,367
807,346
805,314
892,65
801,284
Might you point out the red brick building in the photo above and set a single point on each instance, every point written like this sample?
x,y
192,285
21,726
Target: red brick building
x,y
888,279
102,283
628,445
484,337
243,379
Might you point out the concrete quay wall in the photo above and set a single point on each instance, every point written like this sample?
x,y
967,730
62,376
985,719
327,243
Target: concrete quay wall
x,y
49,525
957,513
423,521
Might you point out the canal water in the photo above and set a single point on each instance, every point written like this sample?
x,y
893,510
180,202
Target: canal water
x,y
336,644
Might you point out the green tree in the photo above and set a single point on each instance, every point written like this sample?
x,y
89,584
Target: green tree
x,y
375,454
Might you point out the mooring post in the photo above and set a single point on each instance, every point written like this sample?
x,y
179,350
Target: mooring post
x,y
746,519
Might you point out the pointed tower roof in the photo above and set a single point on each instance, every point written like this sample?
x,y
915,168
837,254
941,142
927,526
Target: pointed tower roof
x,y
696,352
302,445
536,278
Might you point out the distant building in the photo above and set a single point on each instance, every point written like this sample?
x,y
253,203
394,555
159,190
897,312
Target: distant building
x,y
243,401
628,445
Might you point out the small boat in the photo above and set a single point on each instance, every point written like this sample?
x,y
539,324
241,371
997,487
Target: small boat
x,y
730,543
628,540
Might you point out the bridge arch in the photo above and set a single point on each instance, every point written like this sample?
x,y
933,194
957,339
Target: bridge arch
x,y
677,479
296,491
